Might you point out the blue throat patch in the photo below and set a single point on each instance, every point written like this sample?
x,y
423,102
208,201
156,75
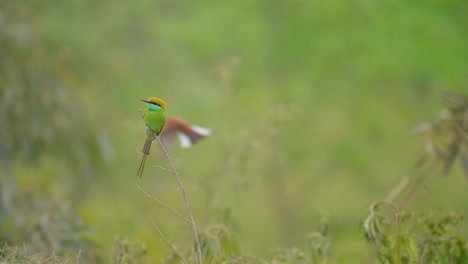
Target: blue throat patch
x,y
153,107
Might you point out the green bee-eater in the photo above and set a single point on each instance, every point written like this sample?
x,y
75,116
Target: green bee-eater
x,y
154,117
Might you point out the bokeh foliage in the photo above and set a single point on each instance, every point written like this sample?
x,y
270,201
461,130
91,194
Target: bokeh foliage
x,y
446,139
42,114
44,124
310,103
428,237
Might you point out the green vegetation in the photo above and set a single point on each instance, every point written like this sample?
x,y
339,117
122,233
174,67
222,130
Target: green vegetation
x,y
422,238
311,104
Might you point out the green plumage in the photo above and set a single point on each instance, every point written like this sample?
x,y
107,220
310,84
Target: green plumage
x,y
155,117
154,120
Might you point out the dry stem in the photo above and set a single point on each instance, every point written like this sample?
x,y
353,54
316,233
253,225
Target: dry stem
x,y
181,187
169,244
163,203
78,256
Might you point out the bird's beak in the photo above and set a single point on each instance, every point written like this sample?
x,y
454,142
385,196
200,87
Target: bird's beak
x,y
146,101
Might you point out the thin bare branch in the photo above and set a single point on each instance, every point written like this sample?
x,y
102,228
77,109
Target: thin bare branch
x,y
162,168
168,243
462,133
397,189
78,256
163,203
218,252
181,187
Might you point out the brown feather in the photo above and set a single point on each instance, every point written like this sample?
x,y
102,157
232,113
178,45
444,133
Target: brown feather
x,y
194,136
175,125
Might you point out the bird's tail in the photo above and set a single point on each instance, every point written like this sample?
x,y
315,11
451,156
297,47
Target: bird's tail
x,y
145,151
146,147
142,166
189,138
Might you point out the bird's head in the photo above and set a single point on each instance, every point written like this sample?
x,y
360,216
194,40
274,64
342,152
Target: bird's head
x,y
155,102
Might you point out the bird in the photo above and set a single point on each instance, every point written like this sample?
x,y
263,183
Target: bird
x,y
188,134
155,117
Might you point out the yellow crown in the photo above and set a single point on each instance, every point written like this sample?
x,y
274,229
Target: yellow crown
x,y
158,101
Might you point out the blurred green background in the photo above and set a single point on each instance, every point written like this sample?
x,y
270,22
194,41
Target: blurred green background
x,y
311,104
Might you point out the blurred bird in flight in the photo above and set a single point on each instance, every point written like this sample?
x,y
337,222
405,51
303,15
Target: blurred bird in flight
x,y
155,117
188,134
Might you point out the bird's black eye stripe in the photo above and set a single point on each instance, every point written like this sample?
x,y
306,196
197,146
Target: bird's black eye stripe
x,y
155,104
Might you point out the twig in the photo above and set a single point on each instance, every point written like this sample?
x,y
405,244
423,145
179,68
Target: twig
x,y
169,244
218,252
181,187
163,203
78,256
397,189
419,182
191,221
162,168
